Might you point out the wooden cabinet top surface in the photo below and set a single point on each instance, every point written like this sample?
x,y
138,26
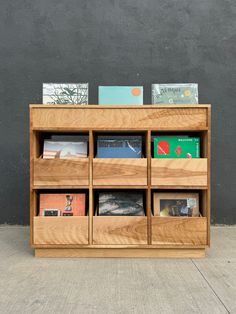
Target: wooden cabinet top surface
x,y
94,106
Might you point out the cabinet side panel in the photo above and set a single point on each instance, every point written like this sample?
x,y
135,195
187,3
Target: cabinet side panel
x,y
209,178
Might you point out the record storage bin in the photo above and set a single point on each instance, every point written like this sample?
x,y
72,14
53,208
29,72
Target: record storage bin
x,y
121,236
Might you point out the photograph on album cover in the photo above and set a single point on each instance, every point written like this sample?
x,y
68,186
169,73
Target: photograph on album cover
x,y
64,150
176,204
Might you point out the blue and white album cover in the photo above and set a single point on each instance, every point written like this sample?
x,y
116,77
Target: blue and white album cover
x,y
119,146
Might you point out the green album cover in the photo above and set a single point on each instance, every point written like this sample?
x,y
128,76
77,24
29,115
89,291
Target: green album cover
x,y
176,147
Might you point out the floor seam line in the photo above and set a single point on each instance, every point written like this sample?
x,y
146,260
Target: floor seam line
x,y
210,286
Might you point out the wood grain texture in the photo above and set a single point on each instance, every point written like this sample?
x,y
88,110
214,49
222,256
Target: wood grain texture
x,y
95,106
91,196
119,230
179,231
61,230
128,187
34,151
59,187
61,172
179,172
148,191
125,118
115,246
119,171
203,203
209,176
32,193
111,252
120,236
179,187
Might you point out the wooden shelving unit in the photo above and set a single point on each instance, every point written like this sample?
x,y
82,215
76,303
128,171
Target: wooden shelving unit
x,y
123,236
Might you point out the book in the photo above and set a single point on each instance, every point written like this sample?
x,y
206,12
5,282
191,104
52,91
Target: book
x,y
64,150
176,147
175,93
120,95
120,204
119,146
62,204
176,204
65,93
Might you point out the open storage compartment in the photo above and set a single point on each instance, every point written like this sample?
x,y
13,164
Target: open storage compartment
x,y
180,172
109,171
58,172
119,230
59,230
181,231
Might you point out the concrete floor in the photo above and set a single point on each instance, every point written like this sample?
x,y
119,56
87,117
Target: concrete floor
x,y
31,285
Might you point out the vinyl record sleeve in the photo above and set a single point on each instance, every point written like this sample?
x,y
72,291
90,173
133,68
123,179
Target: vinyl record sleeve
x,y
72,204
120,95
175,93
120,204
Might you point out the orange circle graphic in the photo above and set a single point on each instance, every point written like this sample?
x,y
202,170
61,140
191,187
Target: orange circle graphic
x,y
187,93
136,91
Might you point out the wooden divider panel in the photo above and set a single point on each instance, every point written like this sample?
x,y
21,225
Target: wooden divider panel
x,y
61,172
179,231
60,230
119,171
179,172
119,230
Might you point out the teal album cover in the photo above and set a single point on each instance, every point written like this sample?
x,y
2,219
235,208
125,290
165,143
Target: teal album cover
x,y
120,95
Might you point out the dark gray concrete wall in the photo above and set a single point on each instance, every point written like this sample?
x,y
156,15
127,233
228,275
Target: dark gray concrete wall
x,y
115,43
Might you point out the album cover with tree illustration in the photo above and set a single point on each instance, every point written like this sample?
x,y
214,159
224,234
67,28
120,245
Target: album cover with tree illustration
x,y
65,93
